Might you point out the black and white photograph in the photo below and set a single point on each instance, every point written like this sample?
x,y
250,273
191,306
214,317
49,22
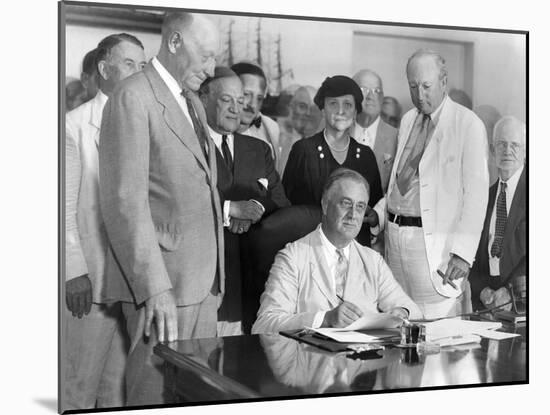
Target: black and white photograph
x,y
290,209
247,216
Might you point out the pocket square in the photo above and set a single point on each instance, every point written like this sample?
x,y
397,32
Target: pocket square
x,y
263,181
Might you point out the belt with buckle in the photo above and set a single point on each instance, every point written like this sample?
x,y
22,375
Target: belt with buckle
x,y
405,220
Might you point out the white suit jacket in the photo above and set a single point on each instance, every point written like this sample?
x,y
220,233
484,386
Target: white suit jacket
x,y
86,241
454,183
300,285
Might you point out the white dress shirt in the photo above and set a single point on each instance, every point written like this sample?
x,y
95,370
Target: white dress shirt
x,y
511,185
366,136
331,256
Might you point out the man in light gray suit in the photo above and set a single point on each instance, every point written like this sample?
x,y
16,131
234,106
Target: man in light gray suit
x,y
94,342
370,129
160,202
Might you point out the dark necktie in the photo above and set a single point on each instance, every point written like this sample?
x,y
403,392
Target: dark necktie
x,y
408,169
341,273
500,226
197,125
227,153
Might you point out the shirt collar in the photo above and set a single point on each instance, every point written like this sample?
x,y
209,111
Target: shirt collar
x,y
217,138
330,249
101,98
168,79
99,102
512,182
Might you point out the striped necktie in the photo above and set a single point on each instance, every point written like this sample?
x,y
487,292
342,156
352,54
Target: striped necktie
x,y
341,273
417,139
500,226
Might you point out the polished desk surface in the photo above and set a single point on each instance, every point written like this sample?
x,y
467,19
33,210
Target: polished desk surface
x,y
271,365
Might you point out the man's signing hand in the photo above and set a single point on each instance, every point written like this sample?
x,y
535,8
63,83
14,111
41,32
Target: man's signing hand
x,y
342,316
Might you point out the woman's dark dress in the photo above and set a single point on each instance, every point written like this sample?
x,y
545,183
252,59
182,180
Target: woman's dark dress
x,y
311,162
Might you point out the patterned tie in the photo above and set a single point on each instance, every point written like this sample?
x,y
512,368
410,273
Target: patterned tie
x,y
409,167
197,125
341,273
227,153
500,226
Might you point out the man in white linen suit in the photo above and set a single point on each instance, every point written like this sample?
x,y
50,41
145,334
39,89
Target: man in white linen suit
x,y
434,208
94,352
327,279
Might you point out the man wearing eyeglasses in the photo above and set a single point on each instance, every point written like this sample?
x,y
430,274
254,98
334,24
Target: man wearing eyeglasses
x,y
370,129
501,255
326,278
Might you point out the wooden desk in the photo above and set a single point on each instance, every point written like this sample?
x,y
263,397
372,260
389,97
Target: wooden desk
x,y
269,366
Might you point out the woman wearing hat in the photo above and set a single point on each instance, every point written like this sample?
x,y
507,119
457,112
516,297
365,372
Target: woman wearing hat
x,y
311,160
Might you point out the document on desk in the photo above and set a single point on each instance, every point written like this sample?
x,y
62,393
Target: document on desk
x,y
438,330
374,321
496,335
342,335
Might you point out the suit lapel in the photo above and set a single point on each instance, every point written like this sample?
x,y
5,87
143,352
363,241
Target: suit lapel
x,y
517,208
432,147
380,144
241,158
175,119
319,270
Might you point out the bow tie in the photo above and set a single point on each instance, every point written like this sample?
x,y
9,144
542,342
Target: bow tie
x,y
257,122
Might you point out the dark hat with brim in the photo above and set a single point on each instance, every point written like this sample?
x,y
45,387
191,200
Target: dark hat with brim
x,y
337,86
219,72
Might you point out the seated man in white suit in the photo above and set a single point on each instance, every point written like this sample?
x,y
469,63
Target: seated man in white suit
x,y
326,278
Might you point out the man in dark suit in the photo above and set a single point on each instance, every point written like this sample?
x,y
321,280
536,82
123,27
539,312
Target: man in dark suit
x,y
370,129
249,185
501,255
160,203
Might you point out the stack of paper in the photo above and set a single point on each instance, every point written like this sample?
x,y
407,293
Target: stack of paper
x,y
448,332
344,336
369,321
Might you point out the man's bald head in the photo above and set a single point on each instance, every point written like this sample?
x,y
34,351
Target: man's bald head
x,y
373,94
509,145
190,43
427,77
